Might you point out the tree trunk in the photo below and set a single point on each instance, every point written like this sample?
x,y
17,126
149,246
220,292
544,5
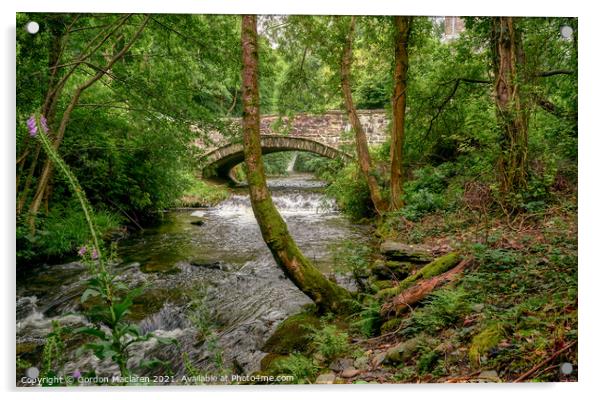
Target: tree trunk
x,y
327,295
402,34
512,109
361,143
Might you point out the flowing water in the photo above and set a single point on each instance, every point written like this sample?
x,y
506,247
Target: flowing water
x,y
220,268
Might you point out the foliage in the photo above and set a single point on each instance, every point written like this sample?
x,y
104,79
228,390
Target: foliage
x,y
114,334
202,193
368,320
443,308
61,232
302,368
330,341
350,190
348,256
53,355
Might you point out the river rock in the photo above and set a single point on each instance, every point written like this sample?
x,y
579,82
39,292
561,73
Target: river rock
x,y
487,376
362,363
326,379
198,222
405,252
378,359
350,373
341,364
402,352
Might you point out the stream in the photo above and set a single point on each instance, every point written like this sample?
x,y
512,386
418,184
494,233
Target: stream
x,y
221,264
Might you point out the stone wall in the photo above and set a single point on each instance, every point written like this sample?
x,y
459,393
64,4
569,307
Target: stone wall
x,y
331,128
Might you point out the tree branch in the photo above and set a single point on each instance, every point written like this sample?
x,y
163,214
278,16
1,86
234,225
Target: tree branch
x,y
545,74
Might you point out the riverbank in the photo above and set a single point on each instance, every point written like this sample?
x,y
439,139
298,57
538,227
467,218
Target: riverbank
x,y
510,316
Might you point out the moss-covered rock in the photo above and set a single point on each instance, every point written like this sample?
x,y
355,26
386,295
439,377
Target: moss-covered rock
x,y
402,352
160,267
405,252
269,362
382,284
390,325
484,341
390,269
437,267
292,335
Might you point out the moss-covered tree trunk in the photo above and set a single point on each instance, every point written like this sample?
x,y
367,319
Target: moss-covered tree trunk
x,y
361,143
511,106
327,295
402,34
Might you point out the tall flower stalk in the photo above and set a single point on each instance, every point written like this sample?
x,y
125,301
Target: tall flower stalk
x,y
33,125
116,342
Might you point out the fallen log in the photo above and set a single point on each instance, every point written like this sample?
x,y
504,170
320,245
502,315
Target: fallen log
x,y
435,268
406,299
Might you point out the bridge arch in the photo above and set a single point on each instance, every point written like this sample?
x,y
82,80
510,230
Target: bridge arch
x,y
219,162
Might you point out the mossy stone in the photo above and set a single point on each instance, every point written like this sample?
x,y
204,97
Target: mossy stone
x,y
292,335
390,325
403,351
391,269
159,267
405,252
382,284
268,362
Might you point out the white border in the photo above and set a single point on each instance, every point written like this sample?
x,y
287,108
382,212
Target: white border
x,y
589,216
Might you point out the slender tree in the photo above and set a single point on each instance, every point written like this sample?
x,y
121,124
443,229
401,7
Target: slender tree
x,y
403,27
511,105
327,295
361,143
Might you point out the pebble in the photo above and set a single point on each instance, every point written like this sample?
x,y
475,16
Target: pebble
x,y
326,379
350,373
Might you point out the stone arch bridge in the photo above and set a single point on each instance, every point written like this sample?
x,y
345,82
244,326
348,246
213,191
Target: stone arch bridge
x,y
322,134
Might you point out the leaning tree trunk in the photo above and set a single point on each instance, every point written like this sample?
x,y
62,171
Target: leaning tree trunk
x,y
361,143
512,108
327,295
402,34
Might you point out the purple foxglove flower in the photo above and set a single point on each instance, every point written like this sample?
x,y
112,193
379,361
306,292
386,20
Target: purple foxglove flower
x,y
77,374
32,126
44,124
94,254
82,250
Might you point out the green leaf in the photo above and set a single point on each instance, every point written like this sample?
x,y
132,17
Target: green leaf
x,y
89,293
92,332
122,308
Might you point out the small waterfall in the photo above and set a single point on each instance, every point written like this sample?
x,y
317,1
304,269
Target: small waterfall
x,y
291,164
